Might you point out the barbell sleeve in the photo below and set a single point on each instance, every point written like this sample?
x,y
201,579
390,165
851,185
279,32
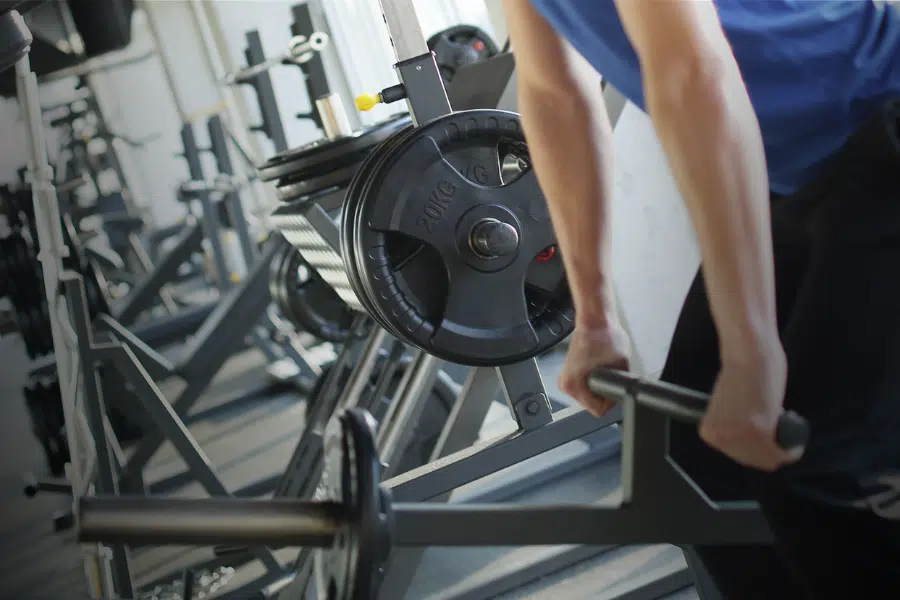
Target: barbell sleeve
x,y
141,520
683,404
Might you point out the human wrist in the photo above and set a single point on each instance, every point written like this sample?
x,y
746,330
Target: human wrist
x,y
759,349
593,313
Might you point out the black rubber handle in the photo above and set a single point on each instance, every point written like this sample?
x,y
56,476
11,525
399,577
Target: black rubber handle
x,y
683,404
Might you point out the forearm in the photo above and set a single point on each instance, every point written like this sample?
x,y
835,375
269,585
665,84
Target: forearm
x,y
709,130
575,173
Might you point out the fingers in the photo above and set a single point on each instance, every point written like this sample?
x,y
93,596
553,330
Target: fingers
x,y
579,390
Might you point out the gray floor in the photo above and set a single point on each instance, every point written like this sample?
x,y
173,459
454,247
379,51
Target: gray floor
x,y
249,441
37,563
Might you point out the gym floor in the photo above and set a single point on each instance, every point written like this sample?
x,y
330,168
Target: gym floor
x,y
40,564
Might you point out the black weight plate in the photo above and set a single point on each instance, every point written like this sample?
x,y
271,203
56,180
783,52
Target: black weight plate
x,y
349,219
291,188
28,332
323,155
21,255
307,301
41,333
406,250
403,249
350,569
460,45
104,25
46,329
430,189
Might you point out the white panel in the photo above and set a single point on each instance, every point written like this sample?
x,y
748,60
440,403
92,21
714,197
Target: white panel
x,y
272,19
655,255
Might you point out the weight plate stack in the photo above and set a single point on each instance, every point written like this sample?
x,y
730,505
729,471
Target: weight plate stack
x,y
447,240
325,164
458,46
301,175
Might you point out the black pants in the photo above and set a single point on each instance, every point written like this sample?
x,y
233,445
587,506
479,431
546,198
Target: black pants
x,y
835,515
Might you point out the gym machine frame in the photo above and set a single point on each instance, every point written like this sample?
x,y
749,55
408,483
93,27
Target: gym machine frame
x,y
531,410
78,353
645,493
468,416
357,521
524,389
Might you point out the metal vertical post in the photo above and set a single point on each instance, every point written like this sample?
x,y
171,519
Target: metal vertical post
x,y
210,218
271,125
48,225
425,93
107,471
219,144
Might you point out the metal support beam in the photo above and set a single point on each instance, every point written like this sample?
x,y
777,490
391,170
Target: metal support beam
x,y
223,332
144,295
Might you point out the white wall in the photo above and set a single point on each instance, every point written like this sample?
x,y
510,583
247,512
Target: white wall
x,y
137,103
272,18
655,255
13,151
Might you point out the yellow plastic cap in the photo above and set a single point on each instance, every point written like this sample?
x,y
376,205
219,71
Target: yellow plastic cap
x,y
367,102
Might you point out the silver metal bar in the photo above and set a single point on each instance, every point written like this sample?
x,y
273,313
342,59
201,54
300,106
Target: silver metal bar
x,y
165,292
208,521
359,377
301,51
334,116
404,28
409,405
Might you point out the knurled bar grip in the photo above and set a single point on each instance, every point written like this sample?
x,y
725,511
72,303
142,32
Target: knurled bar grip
x,y
683,404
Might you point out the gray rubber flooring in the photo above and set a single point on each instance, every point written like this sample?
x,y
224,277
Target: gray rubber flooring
x,y
37,564
252,440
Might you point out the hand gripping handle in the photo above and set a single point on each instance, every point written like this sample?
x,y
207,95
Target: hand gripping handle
x,y
683,404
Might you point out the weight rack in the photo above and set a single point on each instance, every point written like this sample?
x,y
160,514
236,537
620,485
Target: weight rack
x,y
533,415
310,228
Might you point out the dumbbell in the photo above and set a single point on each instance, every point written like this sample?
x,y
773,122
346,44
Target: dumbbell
x,y
355,525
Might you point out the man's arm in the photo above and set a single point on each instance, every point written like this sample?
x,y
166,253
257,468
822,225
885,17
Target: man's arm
x,y
571,145
703,116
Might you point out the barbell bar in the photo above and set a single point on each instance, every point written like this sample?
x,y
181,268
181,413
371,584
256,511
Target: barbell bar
x,y
293,523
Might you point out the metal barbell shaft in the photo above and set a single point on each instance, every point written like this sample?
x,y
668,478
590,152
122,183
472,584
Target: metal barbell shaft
x,y
315,43
683,404
207,521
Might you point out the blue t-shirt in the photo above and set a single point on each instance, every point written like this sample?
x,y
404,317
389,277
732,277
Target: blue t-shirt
x,y
815,69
